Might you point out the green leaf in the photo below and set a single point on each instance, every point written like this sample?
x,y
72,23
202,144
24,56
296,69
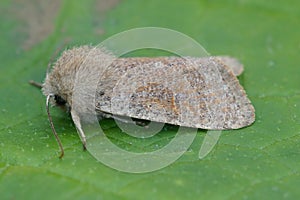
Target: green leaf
x,y
258,162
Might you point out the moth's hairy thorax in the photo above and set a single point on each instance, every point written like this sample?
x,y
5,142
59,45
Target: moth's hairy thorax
x,y
60,81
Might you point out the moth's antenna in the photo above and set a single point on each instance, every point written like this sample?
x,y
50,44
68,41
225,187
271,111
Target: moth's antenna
x,y
36,84
52,59
52,126
55,54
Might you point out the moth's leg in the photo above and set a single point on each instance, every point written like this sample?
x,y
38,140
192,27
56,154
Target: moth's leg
x,y
236,67
76,120
121,119
102,115
124,120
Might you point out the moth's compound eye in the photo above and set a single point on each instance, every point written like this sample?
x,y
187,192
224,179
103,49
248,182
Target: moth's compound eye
x,y
59,101
101,93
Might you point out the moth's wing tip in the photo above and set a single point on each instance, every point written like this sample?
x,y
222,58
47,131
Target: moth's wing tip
x,y
252,116
248,120
233,124
232,63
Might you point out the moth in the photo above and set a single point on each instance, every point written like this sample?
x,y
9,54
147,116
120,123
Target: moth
x,y
186,91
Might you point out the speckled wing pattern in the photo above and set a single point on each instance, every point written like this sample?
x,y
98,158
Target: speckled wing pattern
x,y
193,92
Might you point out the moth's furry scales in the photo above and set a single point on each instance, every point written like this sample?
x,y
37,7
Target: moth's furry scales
x,y
200,92
207,94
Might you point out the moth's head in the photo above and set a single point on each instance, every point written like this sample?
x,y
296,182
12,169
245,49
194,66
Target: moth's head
x,y
59,82
60,93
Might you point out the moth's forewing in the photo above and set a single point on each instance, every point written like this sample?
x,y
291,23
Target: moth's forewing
x,y
192,92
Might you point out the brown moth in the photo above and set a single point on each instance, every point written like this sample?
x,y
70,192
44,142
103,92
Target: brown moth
x,y
193,92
